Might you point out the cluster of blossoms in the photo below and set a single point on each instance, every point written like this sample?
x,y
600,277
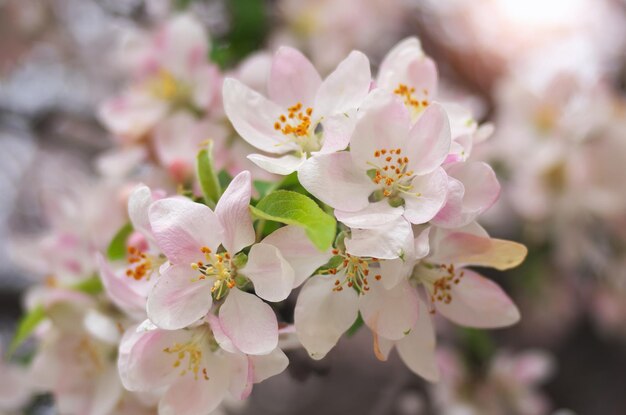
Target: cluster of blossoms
x,y
188,310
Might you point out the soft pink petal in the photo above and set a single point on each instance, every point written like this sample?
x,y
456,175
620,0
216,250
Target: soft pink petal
x,y
220,337
269,365
429,140
334,180
132,115
182,227
394,66
298,250
234,214
120,289
179,298
282,165
383,124
138,204
253,117
292,79
337,131
241,375
323,315
417,349
190,396
372,216
479,302
272,276
388,241
392,271
249,322
346,87
390,312
431,192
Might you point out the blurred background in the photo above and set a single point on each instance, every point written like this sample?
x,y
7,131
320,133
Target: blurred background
x,y
550,77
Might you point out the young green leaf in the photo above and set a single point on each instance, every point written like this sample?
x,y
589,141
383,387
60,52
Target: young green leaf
x,y
293,208
92,286
117,247
28,323
209,182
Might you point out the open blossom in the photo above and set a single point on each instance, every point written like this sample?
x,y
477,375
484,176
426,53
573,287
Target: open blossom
x,y
189,365
393,169
303,114
171,73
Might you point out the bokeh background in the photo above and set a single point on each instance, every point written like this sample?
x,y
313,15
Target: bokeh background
x,y
549,74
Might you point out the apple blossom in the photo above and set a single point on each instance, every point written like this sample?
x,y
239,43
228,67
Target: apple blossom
x,y
303,114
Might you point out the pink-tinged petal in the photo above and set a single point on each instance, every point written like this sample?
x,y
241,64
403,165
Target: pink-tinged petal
x,y
383,124
253,117
338,129
271,274
394,66
417,349
107,393
422,243
429,140
120,290
382,347
480,190
292,79
298,250
190,396
269,365
249,323
422,75
218,332
479,302
334,180
345,88
132,115
182,44
241,375
390,312
142,363
282,165
431,190
139,202
392,271
179,298
182,227
533,366
206,83
372,216
323,315
388,241
463,248
234,214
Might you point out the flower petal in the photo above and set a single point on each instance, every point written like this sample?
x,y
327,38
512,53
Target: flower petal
x,y
383,124
479,302
388,241
338,129
271,274
181,227
432,190
390,312
120,290
334,180
429,140
298,250
293,79
234,214
179,298
282,165
139,202
269,365
323,315
249,322
253,117
372,216
346,87
417,349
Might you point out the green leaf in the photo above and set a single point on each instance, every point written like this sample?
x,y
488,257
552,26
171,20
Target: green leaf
x,y
358,323
293,208
262,187
28,323
117,247
92,286
209,183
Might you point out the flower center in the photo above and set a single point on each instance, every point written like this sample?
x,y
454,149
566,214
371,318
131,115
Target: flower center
x,y
220,268
391,172
188,358
297,124
439,279
352,272
141,264
410,99
165,86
